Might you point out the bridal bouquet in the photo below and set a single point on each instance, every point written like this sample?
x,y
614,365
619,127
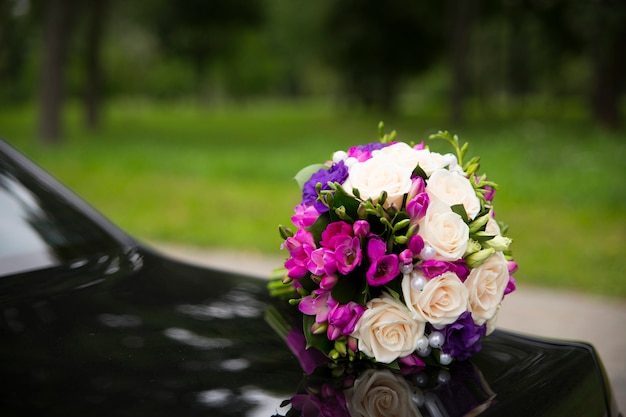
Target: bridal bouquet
x,y
396,256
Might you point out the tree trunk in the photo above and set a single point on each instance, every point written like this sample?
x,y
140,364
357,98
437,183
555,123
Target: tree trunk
x,y
462,14
57,21
96,18
608,64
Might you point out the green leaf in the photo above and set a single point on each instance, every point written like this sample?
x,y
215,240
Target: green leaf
x,y
460,210
419,172
305,174
317,341
349,288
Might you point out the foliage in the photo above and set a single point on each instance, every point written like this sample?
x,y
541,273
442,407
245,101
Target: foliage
x,y
171,172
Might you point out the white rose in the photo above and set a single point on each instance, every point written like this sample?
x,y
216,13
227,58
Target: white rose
x,y
430,161
442,300
492,226
381,393
486,285
452,188
386,330
376,175
445,231
399,154
492,322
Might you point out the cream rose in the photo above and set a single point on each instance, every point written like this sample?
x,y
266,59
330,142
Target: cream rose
x,y
445,231
442,300
386,331
376,175
400,154
452,188
486,285
430,161
381,393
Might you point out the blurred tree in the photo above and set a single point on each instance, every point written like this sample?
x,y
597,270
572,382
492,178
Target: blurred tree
x,y
58,24
199,30
374,45
95,17
14,48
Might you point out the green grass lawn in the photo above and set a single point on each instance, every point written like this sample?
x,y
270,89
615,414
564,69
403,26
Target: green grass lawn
x,y
223,177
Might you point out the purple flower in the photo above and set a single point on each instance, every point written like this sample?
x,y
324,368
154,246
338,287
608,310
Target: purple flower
x,y
416,244
342,319
309,358
336,173
410,364
416,208
328,403
334,231
419,146
305,216
463,337
300,248
433,268
348,255
383,268
317,304
361,228
322,262
510,287
364,152
490,193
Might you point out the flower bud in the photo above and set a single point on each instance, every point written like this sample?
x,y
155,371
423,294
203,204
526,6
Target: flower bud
x,y
319,328
477,258
361,228
340,347
499,243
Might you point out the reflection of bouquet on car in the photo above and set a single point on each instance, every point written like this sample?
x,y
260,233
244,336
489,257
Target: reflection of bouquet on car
x,y
378,392
397,256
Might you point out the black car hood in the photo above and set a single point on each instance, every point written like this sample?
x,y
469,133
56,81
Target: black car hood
x,y
134,333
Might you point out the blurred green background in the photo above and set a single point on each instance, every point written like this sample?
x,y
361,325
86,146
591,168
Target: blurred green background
x,y
185,122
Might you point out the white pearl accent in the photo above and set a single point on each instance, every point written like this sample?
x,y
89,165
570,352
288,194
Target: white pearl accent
x,y
445,359
340,156
422,343
428,253
418,281
418,397
438,326
450,160
425,352
444,376
421,379
436,339
351,161
406,268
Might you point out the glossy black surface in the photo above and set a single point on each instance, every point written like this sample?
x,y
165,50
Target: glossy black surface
x,y
110,328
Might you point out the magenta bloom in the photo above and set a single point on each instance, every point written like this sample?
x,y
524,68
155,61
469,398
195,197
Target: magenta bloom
x,y
510,287
348,255
322,262
342,319
433,268
305,216
333,232
383,268
419,146
364,152
317,304
361,228
416,244
411,364
309,358
328,403
300,248
417,206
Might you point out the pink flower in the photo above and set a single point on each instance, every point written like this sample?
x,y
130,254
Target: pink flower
x,y
416,244
342,319
348,254
433,268
361,228
334,231
317,304
322,262
383,268
416,208
300,248
305,216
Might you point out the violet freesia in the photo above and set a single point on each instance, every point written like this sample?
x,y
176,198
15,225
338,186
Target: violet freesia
x,y
300,247
364,152
317,304
433,268
342,319
416,208
384,267
309,358
361,228
305,215
348,255
336,173
463,337
416,244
